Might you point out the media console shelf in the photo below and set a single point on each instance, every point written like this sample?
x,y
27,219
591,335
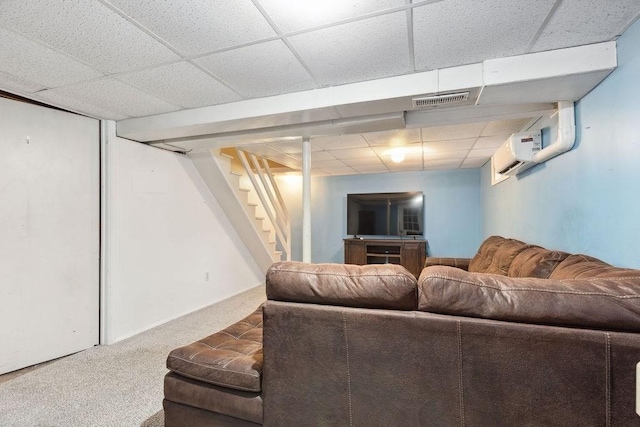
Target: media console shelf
x,y
409,253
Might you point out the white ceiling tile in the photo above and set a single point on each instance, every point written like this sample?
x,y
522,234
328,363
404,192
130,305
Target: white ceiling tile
x,y
363,161
198,26
296,15
371,169
504,127
573,23
182,84
292,147
9,83
324,164
261,149
357,51
112,95
449,145
490,141
473,163
338,142
442,164
87,30
70,102
404,166
446,155
341,170
316,155
455,32
38,64
285,160
443,133
482,152
354,153
393,137
260,70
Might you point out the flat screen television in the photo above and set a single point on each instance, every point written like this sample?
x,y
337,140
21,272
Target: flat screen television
x,y
385,214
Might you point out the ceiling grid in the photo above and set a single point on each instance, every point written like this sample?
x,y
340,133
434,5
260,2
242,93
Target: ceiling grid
x,y
118,59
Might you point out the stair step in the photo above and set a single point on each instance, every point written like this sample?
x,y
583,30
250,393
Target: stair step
x,y
226,155
252,204
236,173
246,190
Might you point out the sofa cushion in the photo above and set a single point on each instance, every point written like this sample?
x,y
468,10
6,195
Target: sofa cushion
x,y
536,262
606,303
462,263
368,286
495,255
583,267
229,358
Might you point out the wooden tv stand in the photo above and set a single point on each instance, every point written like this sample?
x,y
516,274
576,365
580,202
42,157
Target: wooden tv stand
x,y
409,253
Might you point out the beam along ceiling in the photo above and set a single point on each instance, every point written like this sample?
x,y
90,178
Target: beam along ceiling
x,y
125,59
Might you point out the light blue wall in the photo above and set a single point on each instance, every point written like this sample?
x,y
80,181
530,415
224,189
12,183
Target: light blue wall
x,y
586,200
451,200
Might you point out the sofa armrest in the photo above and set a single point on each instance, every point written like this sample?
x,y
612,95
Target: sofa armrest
x,y
604,303
462,263
369,286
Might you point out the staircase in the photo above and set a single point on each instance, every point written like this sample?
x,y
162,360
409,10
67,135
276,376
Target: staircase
x,y
247,192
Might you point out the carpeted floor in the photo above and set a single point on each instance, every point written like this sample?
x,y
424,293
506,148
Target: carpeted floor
x,y
118,385
155,420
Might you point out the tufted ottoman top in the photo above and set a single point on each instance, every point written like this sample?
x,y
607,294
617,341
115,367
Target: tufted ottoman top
x,y
229,358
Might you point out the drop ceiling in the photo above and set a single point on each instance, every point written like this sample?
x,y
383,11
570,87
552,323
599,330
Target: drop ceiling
x,y
133,61
443,147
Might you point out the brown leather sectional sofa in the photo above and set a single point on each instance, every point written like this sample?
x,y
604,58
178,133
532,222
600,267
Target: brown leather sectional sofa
x,y
517,336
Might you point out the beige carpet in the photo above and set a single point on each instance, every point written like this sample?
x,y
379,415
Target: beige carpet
x,y
155,420
118,385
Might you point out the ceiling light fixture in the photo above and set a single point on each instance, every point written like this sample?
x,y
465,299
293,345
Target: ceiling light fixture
x,y
397,155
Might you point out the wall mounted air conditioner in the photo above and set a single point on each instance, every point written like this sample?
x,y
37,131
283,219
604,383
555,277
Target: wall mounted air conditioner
x,y
516,154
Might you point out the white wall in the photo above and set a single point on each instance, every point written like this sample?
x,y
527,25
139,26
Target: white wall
x,y
49,233
170,248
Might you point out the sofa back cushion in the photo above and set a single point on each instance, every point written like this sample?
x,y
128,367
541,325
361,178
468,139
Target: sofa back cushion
x,y
368,286
585,267
611,303
495,255
536,262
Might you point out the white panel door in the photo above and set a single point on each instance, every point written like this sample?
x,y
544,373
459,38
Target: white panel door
x,y
49,234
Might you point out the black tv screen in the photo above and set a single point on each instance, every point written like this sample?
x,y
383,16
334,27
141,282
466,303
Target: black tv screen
x,y
385,214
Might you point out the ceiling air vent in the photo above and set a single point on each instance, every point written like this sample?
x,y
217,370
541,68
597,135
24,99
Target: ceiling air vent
x,y
435,100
